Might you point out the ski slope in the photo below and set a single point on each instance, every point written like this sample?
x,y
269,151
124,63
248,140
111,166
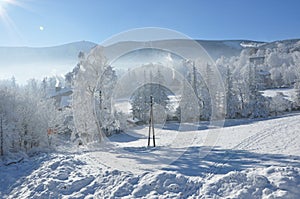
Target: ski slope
x,y
245,159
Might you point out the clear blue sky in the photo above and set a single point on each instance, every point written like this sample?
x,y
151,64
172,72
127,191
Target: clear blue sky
x,y
52,22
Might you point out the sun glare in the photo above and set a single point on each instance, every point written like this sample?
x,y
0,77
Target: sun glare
x,y
4,4
2,8
7,6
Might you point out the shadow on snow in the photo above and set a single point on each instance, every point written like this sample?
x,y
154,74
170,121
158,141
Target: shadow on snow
x,y
203,125
216,160
222,161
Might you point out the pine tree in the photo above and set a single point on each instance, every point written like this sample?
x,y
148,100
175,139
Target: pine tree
x,y
188,110
231,99
257,105
153,86
140,100
297,95
200,89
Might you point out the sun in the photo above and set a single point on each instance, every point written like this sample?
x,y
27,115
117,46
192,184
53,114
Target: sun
x,y
13,2
3,5
5,19
3,13
6,3
2,9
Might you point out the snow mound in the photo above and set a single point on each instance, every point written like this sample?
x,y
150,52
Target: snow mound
x,y
166,184
116,184
271,182
55,178
69,176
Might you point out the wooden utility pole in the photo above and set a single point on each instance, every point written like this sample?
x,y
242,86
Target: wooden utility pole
x,y
151,123
100,99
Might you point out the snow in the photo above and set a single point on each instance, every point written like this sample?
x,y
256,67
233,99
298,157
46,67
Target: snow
x,y
123,105
287,92
245,159
272,182
249,44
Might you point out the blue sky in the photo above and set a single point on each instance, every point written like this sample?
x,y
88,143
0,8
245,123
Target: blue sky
x,y
53,22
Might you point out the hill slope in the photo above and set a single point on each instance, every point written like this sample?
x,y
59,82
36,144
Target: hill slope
x,y
255,159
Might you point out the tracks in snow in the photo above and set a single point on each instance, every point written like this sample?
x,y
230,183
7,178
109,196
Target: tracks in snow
x,y
277,130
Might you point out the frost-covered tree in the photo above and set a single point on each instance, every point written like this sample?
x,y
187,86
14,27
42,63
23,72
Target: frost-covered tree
x,y
188,110
93,86
105,113
140,100
91,68
26,115
297,95
280,60
8,102
215,96
289,75
152,83
257,105
277,77
200,88
231,98
279,104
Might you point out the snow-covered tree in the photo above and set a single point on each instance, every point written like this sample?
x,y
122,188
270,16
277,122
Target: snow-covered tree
x,y
257,105
91,68
26,116
231,98
297,95
93,86
279,104
289,75
140,100
105,113
188,110
200,88
277,77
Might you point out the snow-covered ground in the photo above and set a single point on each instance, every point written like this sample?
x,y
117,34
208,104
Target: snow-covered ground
x,y
288,93
246,159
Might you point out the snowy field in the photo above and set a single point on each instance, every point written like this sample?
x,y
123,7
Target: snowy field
x,y
246,159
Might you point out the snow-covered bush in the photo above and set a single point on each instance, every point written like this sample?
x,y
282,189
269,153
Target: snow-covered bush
x,y
26,116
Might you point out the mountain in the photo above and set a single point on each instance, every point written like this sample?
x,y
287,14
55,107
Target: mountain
x,y
215,49
17,55
28,62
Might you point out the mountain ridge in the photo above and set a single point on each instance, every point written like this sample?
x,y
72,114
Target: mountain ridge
x,y
197,40
60,59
